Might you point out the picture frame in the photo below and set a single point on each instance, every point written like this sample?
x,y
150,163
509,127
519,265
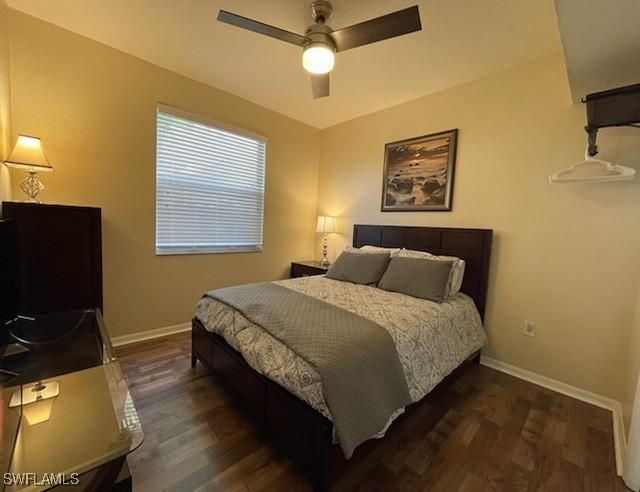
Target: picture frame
x,y
419,173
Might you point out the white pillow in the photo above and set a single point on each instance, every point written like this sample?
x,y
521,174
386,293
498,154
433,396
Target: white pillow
x,y
373,249
457,268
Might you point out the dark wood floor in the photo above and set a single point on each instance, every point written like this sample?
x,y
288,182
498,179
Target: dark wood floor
x,y
489,431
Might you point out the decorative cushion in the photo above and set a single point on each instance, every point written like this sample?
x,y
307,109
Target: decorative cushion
x,y
359,268
457,270
417,277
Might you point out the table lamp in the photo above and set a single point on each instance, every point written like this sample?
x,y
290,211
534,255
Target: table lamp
x,y
326,225
28,154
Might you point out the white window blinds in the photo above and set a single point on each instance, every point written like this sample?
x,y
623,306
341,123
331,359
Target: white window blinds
x,y
209,186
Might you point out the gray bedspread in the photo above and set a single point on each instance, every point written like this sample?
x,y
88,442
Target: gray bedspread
x,y
362,378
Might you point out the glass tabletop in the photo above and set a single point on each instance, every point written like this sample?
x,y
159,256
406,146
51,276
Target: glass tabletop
x,y
79,417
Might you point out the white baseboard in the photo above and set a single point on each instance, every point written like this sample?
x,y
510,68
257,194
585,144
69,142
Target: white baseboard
x,y
620,440
149,334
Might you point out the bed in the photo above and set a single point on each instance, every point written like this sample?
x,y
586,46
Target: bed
x,y
435,343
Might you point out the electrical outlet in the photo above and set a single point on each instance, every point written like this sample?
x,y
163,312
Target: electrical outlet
x,y
529,328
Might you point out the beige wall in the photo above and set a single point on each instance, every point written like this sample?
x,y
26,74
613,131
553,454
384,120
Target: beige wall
x,y
94,108
634,367
564,255
632,408
5,99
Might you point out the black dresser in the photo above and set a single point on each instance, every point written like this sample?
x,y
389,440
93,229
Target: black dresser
x,y
57,253
9,300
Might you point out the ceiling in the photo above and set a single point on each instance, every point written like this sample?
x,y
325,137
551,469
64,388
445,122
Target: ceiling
x,y
601,42
461,40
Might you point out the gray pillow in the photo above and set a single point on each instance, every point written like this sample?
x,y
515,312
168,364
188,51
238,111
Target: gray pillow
x,y
359,268
417,277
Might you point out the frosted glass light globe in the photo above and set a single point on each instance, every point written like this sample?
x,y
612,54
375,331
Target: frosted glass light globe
x,y
318,58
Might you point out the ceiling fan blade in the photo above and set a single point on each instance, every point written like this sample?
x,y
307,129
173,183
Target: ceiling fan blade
x,y
320,85
384,27
261,28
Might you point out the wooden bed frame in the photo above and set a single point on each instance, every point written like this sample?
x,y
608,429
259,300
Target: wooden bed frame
x,y
300,430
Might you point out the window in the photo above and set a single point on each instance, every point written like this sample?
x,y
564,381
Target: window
x,y
209,186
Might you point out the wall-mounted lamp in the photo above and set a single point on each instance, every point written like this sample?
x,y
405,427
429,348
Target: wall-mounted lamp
x,y
326,225
28,154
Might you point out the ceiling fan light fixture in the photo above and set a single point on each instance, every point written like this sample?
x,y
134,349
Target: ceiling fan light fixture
x,y
318,58
320,42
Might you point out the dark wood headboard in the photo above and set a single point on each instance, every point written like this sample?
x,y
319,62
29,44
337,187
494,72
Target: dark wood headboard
x,y
472,245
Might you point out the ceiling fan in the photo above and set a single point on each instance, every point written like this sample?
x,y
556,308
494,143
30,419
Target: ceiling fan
x,y
320,43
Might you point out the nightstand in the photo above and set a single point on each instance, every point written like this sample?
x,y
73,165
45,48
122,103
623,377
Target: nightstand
x,y
307,269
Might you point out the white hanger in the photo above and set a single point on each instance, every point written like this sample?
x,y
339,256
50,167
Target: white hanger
x,y
610,172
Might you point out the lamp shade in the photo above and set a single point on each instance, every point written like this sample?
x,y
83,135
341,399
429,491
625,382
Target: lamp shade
x,y
29,154
326,224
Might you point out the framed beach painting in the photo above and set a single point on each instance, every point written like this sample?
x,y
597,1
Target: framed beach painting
x,y
418,173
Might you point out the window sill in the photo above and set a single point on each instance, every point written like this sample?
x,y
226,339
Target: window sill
x,y
209,251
